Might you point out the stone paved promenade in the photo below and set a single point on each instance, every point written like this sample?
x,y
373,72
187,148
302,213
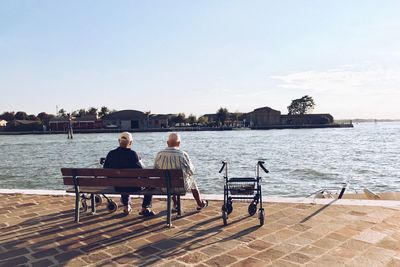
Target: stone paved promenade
x,y
39,230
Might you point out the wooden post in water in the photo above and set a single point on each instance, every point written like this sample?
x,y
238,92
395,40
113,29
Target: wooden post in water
x,y
70,131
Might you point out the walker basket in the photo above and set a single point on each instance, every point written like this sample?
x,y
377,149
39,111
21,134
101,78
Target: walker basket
x,y
242,186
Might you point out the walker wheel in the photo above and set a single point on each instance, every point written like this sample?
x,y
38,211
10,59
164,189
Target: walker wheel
x,y
252,209
261,216
225,218
98,200
112,206
84,206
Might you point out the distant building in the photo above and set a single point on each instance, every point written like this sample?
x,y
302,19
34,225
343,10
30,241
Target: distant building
x,y
24,125
307,119
158,120
126,120
264,116
211,118
58,124
87,122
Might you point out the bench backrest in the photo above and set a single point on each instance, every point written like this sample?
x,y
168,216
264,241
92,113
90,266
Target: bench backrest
x,y
96,177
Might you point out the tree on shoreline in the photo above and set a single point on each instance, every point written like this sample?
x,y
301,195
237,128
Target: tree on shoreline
x,y
192,119
21,115
103,111
44,117
7,116
301,106
222,115
62,113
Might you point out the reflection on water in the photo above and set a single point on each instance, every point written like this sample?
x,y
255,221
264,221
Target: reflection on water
x,y
300,161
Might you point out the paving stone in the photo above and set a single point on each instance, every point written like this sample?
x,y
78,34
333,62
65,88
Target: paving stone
x,y
242,251
221,261
269,255
300,227
326,243
297,258
107,263
259,245
42,263
213,250
299,240
383,256
118,250
283,263
356,245
157,237
343,252
370,236
286,247
147,251
338,237
95,257
76,262
13,253
14,261
66,256
137,243
361,261
249,262
328,260
285,234
390,243
193,258
128,258
175,263
312,251
45,253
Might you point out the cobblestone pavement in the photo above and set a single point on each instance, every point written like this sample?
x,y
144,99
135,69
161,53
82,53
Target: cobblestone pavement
x,y
39,231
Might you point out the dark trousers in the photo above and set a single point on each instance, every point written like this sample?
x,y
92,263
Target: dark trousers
x,y
126,199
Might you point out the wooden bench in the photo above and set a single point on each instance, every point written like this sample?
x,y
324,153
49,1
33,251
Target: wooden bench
x,y
103,181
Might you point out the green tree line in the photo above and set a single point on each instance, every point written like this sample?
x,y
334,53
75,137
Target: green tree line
x,y
45,117
222,116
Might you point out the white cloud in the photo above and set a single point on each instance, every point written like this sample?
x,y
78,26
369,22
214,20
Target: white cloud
x,y
367,79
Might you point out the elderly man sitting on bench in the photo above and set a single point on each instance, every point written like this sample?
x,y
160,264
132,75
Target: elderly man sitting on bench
x,y
173,158
123,157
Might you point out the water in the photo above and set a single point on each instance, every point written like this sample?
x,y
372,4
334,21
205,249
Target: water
x,y
300,161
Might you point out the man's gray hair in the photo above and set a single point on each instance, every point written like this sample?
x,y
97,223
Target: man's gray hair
x,y
174,137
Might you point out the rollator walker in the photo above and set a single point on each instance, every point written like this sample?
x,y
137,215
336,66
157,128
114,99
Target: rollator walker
x,y
245,189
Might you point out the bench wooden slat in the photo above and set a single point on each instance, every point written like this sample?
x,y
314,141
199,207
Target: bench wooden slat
x,y
111,190
123,182
119,173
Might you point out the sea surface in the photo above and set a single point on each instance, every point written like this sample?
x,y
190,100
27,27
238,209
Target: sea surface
x,y
300,161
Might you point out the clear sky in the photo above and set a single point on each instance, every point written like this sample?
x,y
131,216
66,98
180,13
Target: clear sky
x,y
195,56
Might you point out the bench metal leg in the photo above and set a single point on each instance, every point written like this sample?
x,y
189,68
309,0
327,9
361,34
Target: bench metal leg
x,y
92,203
77,206
169,211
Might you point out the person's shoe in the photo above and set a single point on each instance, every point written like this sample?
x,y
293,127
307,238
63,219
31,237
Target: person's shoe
x,y
147,212
205,205
127,210
174,209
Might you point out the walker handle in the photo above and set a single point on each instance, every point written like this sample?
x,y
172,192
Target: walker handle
x,y
260,163
223,166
